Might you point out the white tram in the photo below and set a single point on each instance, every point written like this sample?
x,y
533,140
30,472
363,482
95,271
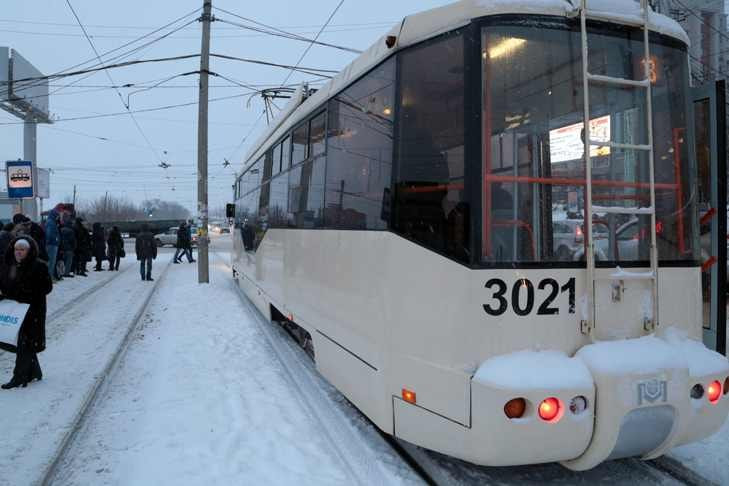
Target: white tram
x,y
423,218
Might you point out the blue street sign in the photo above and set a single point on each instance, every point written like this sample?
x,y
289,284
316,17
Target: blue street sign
x,y
20,178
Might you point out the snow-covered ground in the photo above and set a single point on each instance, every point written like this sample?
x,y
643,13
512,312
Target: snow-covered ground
x,y
202,396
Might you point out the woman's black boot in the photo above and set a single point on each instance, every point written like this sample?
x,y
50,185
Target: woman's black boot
x,y
14,383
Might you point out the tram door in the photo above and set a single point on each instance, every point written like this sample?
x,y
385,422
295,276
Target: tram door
x,y
709,117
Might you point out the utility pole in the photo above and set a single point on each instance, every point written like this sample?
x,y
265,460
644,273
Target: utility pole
x,y
202,148
74,197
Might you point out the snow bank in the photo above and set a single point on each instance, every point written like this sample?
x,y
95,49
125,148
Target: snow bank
x,y
534,369
643,355
701,360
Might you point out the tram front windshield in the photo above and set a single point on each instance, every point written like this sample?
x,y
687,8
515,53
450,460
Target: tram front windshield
x,y
533,164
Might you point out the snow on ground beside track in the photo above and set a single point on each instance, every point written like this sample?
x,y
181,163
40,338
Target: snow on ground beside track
x,y
199,398
709,457
34,420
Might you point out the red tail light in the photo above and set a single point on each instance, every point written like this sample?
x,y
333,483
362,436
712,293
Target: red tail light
x,y
713,392
549,409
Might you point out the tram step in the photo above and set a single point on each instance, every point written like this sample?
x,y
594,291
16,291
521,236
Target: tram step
x,y
599,78
628,146
622,210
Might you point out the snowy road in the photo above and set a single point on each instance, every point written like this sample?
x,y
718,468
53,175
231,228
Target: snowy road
x,y
200,398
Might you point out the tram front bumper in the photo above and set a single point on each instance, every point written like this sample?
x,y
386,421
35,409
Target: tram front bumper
x,y
638,395
643,401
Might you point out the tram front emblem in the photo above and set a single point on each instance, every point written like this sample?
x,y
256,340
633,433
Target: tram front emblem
x,y
651,391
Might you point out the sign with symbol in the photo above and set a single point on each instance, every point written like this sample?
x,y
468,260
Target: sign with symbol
x,y
20,178
651,391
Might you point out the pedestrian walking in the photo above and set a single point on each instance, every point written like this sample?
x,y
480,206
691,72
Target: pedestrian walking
x,y
83,247
99,245
116,248
188,244
68,248
146,251
24,278
181,245
53,241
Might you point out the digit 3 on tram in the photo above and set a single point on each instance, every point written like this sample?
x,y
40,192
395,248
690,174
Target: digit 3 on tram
x,y
402,218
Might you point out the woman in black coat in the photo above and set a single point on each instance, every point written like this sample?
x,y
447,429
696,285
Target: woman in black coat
x,y
116,248
24,278
99,245
83,247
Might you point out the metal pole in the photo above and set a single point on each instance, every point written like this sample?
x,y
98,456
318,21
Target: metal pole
x,y
29,153
202,148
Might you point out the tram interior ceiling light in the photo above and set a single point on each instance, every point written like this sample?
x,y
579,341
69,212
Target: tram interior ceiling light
x,y
713,392
504,47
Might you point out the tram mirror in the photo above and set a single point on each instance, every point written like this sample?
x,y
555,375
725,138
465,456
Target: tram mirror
x,y
230,210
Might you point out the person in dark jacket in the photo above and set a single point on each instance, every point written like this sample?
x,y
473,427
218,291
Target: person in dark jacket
x,y
53,241
99,245
183,236
22,225
68,247
116,248
24,278
83,247
6,236
146,252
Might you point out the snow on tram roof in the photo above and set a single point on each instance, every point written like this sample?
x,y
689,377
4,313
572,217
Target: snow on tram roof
x,y
431,23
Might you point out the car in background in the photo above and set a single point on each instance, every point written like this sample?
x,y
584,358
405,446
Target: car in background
x,y
568,237
169,237
219,227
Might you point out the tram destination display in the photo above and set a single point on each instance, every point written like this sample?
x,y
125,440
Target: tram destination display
x,y
566,143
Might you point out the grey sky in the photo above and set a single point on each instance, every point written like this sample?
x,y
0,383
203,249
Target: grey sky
x,y
45,32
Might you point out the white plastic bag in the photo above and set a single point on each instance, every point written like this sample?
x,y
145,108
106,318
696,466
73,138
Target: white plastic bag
x,y
12,314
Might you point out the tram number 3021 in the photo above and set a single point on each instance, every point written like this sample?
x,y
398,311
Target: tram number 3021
x,y
525,306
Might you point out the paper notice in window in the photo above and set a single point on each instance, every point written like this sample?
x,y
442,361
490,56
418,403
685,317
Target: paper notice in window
x,y
566,143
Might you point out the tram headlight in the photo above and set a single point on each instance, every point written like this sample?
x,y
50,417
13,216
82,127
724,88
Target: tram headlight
x,y
549,409
713,392
578,405
515,408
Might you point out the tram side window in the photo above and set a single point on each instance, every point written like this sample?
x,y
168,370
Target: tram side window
x,y
359,151
267,166
431,206
276,159
286,154
278,202
317,127
300,144
306,194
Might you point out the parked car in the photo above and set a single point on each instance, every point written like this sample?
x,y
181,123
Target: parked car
x,y
169,237
568,237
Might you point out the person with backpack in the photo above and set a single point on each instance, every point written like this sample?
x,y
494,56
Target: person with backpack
x,y
146,251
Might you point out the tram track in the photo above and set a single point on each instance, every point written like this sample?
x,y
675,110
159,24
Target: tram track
x,y
359,460
437,469
51,471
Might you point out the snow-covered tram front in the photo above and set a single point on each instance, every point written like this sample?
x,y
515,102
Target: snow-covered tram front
x,y
423,219
572,375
